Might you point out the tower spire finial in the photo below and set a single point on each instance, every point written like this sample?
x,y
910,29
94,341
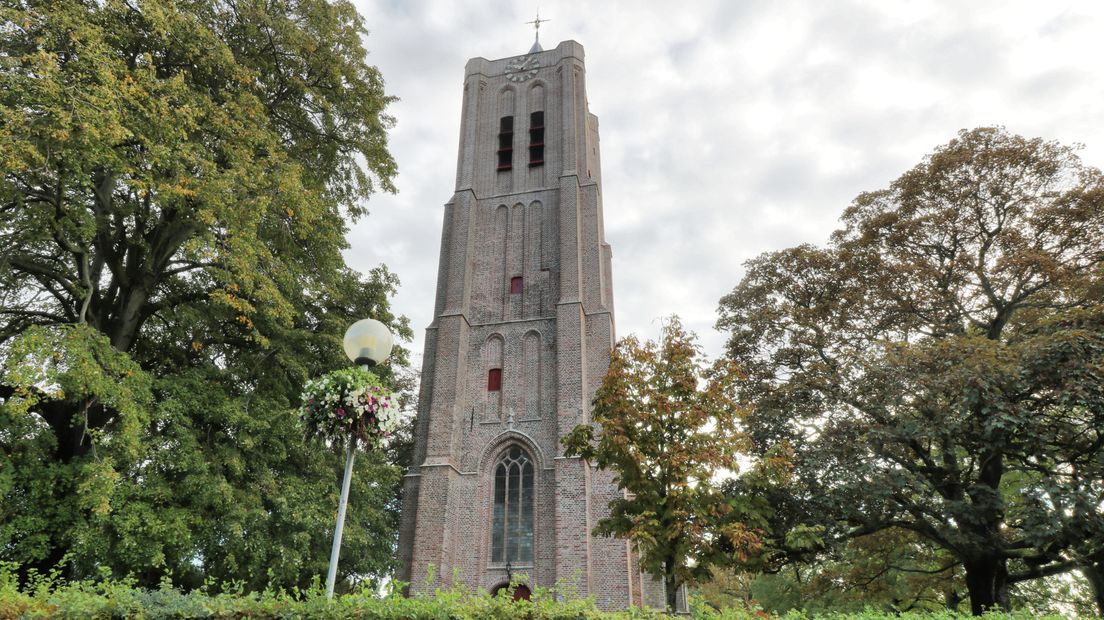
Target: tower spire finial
x,y
536,28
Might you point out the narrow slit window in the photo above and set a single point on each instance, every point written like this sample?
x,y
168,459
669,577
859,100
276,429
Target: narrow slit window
x,y
494,380
536,138
516,285
505,142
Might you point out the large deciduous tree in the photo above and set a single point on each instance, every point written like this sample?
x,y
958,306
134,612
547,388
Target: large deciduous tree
x,y
175,182
939,367
664,422
887,570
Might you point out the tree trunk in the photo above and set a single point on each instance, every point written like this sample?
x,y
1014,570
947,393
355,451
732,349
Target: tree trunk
x,y
987,584
952,598
986,571
670,585
1094,573
65,418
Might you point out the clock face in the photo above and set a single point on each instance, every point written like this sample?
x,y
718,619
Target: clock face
x,y
521,69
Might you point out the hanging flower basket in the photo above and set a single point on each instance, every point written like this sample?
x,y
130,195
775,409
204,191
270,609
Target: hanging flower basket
x,y
350,402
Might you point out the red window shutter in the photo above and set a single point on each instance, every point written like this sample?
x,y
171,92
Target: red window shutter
x,y
515,285
494,379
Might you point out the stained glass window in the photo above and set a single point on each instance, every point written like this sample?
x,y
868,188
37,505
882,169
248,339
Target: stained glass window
x,y
512,530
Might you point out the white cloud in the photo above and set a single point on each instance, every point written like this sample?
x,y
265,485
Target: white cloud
x,y
728,128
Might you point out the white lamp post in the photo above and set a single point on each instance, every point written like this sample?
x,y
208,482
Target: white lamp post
x,y
367,343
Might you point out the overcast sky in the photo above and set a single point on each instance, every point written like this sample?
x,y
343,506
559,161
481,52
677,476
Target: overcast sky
x,y
729,128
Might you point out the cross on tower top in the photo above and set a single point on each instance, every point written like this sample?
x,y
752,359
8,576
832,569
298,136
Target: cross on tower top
x,y
536,28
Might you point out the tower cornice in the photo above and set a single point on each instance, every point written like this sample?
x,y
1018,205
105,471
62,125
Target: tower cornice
x,y
497,68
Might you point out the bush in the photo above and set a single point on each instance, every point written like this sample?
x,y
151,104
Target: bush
x,y
47,596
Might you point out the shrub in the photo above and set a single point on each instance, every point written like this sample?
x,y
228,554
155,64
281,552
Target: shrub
x,y
47,596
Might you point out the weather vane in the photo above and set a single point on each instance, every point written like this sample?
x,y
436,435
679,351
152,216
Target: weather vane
x,y
536,24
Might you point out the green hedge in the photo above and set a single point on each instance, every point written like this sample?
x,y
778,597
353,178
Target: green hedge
x,y
49,597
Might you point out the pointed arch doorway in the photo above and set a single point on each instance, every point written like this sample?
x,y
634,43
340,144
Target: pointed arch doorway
x,y
521,592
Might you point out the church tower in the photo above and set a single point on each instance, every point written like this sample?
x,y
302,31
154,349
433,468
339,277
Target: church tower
x,y
520,340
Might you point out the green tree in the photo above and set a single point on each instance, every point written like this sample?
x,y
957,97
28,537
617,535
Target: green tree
x,y
938,367
665,423
893,570
175,183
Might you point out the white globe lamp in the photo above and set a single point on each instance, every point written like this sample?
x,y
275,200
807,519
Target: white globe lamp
x,y
368,342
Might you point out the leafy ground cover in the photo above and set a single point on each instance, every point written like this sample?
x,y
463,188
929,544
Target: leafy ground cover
x,y
51,597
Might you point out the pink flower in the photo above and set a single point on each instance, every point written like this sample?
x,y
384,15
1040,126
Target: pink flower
x,y
340,413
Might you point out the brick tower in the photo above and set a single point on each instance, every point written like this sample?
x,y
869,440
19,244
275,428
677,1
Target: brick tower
x,y
520,339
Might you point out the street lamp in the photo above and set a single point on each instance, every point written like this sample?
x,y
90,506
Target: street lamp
x,y
367,343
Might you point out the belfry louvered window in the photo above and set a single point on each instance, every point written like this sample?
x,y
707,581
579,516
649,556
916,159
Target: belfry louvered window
x,y
536,138
512,530
505,142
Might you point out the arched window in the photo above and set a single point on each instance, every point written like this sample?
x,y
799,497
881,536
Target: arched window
x,y
536,125
512,530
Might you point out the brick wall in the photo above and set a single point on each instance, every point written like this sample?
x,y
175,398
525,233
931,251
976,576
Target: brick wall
x,y
551,340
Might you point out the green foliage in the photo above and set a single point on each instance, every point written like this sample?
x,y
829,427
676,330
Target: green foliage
x,y
48,597
74,366
664,423
890,570
176,179
938,368
73,361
